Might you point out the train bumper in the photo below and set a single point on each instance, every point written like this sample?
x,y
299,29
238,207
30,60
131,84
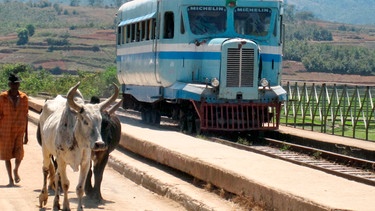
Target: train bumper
x,y
272,94
240,116
244,116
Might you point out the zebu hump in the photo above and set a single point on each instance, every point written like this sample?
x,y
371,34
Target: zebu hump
x,y
51,106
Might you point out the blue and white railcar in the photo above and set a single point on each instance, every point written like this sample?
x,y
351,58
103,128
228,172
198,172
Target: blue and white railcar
x,y
212,64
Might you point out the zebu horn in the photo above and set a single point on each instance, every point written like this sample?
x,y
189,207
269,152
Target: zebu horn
x,y
103,105
70,99
115,107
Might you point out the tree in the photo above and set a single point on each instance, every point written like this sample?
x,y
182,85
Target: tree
x,y
305,15
117,3
289,12
91,2
74,3
31,29
23,37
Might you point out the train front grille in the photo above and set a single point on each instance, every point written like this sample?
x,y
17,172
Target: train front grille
x,y
240,67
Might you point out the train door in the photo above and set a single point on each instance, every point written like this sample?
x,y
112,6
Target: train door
x,y
156,33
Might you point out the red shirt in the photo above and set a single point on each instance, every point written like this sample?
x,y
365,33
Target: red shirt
x,y
13,121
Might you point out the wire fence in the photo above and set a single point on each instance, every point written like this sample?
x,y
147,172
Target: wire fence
x,y
338,109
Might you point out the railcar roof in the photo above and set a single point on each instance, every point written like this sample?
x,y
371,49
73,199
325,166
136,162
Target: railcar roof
x,y
138,10
130,5
134,5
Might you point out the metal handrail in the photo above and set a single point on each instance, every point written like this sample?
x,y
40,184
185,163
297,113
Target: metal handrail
x,y
344,109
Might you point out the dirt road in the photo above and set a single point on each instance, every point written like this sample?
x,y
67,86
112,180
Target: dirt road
x,y
119,193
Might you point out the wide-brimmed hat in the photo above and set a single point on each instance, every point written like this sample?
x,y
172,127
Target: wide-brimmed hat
x,y
14,78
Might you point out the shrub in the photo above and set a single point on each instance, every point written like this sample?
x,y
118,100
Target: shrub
x,y
38,80
23,37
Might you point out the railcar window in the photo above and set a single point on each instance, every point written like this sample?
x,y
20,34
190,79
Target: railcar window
x,y
182,26
132,32
137,32
153,27
252,21
207,20
143,30
168,25
119,35
128,32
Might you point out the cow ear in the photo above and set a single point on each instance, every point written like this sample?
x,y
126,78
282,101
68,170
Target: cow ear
x,y
74,112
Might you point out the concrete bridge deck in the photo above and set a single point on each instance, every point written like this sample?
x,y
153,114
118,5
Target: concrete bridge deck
x,y
278,184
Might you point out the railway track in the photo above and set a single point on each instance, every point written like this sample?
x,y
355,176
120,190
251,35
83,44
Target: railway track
x,y
133,120
351,168
348,167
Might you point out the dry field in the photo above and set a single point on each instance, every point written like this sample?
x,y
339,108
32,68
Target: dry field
x,y
295,71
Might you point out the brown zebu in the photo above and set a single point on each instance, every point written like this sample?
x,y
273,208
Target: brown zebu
x,y
69,131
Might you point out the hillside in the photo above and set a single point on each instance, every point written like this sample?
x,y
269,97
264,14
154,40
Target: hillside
x,y
90,33
341,11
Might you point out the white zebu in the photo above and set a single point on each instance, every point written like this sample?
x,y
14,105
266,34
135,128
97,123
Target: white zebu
x,y
69,130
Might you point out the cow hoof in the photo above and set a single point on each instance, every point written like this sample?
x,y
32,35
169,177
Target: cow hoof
x,y
43,199
96,197
66,206
56,206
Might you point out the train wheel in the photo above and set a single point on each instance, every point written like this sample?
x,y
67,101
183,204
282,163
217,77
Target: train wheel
x,y
256,135
155,117
190,126
182,124
191,120
198,126
146,117
143,117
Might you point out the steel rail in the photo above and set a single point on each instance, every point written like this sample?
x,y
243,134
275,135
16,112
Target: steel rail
x,y
351,168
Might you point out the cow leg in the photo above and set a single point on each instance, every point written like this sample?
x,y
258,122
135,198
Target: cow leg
x,y
98,174
43,196
88,185
56,200
51,185
85,165
62,177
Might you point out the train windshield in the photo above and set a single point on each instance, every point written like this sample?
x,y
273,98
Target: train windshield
x,y
207,20
252,21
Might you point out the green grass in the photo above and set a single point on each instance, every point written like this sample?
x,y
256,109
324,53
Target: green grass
x,y
360,131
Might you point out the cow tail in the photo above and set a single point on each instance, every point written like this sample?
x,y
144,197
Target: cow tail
x,y
38,135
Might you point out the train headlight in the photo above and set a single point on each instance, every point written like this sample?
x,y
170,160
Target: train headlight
x,y
215,82
264,82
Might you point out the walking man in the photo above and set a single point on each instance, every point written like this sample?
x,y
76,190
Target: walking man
x,y
13,127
